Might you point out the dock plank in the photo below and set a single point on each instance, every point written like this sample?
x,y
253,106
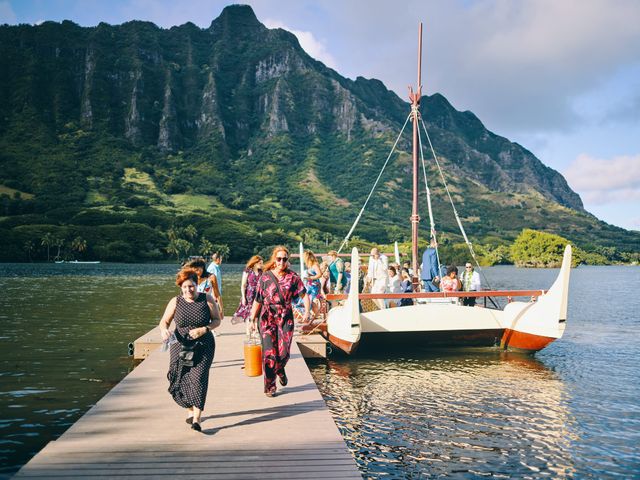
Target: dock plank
x,y
137,431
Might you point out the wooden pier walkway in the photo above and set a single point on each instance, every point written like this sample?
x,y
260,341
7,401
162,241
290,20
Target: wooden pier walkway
x,y
137,431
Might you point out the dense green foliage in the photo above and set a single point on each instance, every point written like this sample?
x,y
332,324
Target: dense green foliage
x,y
541,249
134,143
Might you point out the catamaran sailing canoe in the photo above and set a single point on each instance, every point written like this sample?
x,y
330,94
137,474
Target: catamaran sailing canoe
x,y
437,319
441,321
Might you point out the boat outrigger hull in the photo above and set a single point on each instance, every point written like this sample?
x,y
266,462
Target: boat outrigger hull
x,y
522,326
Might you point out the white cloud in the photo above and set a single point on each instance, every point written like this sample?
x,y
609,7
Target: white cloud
x,y
7,15
314,47
602,181
518,65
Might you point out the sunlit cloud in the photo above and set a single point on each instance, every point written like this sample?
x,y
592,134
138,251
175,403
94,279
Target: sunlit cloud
x,y
601,181
314,47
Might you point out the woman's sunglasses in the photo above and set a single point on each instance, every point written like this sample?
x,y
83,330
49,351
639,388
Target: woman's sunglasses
x,y
282,259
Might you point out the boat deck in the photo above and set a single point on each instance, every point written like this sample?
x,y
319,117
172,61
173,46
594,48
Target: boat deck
x,y
137,431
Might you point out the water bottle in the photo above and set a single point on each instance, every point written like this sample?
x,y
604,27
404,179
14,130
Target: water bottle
x,y
168,342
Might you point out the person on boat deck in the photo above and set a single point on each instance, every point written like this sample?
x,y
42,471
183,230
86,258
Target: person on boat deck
x,y
278,287
248,287
207,283
325,281
450,282
429,271
407,287
195,314
311,280
377,274
214,268
470,280
347,274
395,285
407,265
336,272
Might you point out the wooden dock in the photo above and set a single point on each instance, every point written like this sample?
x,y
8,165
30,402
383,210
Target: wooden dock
x,y
137,431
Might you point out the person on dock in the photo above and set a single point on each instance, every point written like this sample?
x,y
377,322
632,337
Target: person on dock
x,y
214,268
207,283
470,280
311,284
450,282
278,287
336,272
248,286
195,314
430,275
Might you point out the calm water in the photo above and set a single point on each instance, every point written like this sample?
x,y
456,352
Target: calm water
x,y
571,411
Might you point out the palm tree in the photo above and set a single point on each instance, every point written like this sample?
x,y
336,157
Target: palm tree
x,y
190,232
206,247
29,246
58,242
79,245
46,241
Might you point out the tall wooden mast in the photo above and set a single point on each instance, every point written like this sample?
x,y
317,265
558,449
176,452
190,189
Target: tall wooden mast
x,y
414,98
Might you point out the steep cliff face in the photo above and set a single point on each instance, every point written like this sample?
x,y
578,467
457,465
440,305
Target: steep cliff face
x,y
236,80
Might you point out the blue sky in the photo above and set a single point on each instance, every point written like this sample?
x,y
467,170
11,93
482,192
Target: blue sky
x,y
561,78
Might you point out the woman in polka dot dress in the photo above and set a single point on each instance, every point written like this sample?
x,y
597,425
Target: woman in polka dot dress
x,y
195,315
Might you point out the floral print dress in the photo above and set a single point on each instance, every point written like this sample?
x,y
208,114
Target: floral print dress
x,y
243,311
276,321
312,288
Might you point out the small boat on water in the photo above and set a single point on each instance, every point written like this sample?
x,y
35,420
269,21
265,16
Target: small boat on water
x,y
78,261
437,318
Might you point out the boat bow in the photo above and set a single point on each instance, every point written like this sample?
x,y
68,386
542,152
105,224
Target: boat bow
x,y
343,321
532,326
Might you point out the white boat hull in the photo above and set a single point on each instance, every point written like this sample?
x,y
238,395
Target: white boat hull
x,y
525,326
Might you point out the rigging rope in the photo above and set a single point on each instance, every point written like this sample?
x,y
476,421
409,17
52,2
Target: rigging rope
x,y
455,212
346,239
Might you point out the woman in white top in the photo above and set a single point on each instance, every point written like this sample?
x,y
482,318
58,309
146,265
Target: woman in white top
x,y
395,285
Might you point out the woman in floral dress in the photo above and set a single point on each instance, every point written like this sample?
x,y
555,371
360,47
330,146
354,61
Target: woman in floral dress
x,y
272,310
250,277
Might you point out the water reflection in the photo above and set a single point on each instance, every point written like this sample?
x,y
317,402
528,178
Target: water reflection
x,y
482,413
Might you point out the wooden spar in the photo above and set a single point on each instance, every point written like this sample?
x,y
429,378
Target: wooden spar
x,y
414,97
483,293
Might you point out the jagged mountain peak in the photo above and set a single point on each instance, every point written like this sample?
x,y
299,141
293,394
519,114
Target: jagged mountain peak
x,y
237,18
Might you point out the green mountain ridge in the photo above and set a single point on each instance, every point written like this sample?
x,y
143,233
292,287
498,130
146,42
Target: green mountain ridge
x,y
120,134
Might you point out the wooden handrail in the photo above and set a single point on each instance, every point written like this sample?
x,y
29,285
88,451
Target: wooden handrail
x,y
483,293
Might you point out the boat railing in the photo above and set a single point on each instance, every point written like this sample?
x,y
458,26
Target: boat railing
x,y
509,294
